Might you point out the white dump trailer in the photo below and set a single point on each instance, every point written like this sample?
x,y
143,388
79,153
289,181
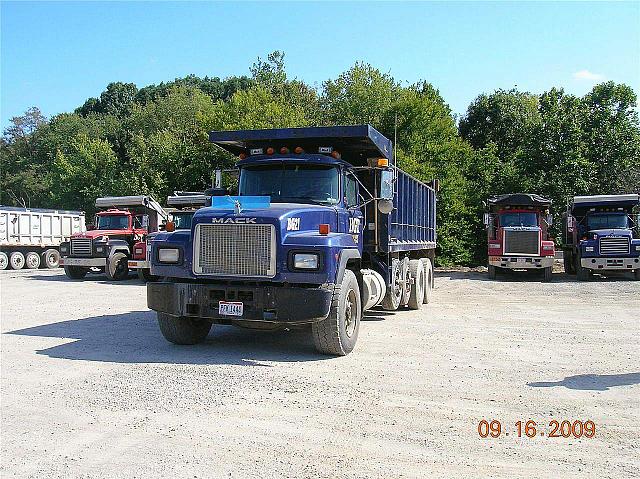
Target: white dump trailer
x,y
30,237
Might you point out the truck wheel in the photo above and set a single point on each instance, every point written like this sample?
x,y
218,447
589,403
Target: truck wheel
x,y
51,258
548,273
492,271
393,297
4,260
417,294
429,277
117,267
583,274
32,260
145,275
569,265
75,272
16,260
183,330
406,282
338,333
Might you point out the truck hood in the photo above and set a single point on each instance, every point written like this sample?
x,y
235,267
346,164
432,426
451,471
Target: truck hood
x,y
98,233
611,232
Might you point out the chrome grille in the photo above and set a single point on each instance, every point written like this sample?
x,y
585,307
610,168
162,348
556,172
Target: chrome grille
x,y
612,245
522,242
81,246
239,250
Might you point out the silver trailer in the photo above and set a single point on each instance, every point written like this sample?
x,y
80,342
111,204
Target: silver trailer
x,y
30,237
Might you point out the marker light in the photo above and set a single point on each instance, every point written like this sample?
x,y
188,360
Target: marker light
x,y
242,156
383,162
270,151
336,154
170,226
299,150
323,229
284,150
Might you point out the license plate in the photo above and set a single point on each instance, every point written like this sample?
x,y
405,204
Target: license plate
x,y
230,308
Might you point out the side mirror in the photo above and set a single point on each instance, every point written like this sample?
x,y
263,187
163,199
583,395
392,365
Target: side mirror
x,y
549,219
386,185
486,219
385,206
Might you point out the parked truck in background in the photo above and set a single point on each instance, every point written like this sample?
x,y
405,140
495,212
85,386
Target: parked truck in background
x,y
324,227
31,237
180,209
518,234
124,221
602,234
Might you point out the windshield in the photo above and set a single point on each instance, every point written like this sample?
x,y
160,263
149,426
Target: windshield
x,y
183,220
111,222
518,219
603,221
292,183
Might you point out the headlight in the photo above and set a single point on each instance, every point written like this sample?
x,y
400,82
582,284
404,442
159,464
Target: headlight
x,y
588,248
63,249
548,247
99,249
168,255
305,261
638,247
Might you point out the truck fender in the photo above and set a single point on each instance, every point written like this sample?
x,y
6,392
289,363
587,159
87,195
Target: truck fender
x,y
117,246
345,256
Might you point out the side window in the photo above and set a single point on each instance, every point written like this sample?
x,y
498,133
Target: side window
x,y
351,191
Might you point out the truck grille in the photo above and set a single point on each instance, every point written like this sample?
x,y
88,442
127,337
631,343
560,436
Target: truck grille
x,y
614,245
239,250
81,247
521,242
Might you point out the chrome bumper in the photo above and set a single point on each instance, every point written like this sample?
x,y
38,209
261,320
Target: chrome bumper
x,y
610,263
88,262
521,262
139,264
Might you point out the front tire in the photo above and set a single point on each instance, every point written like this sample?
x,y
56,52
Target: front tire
x,y
582,274
75,272
548,274
117,267
183,330
337,334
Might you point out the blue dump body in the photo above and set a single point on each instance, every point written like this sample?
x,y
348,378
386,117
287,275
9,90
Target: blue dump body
x,y
316,208
601,233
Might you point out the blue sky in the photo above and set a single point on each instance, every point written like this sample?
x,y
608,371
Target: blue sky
x,y
55,55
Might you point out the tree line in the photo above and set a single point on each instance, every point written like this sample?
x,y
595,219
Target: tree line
x,y
153,140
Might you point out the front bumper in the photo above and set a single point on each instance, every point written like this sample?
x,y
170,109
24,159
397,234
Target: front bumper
x,y
139,264
610,263
269,303
88,262
521,262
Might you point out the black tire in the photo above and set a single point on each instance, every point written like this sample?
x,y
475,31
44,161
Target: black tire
x,y
16,260
417,272
636,275
582,274
569,265
117,267
406,282
492,271
75,272
145,275
51,259
32,260
183,330
393,296
337,334
547,274
4,260
429,276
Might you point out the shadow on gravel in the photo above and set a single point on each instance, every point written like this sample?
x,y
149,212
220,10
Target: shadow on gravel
x,y
135,338
592,382
525,277
92,277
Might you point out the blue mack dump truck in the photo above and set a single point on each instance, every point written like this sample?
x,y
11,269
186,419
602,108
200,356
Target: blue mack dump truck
x,y
602,234
324,227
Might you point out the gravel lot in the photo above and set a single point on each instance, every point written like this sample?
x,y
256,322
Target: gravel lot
x,y
91,389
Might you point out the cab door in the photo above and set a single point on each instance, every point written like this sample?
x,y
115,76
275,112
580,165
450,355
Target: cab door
x,y
352,219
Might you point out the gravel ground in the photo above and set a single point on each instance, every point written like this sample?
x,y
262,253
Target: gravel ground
x,y
91,389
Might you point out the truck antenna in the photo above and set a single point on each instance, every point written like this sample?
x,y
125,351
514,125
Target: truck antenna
x,y
395,138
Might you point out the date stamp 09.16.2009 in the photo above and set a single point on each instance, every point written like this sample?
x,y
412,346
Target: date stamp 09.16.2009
x,y
492,429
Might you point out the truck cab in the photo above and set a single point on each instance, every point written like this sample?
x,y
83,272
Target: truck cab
x,y
601,234
124,221
312,238
517,234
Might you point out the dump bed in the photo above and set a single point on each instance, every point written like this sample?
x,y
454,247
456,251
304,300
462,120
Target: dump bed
x,y
38,227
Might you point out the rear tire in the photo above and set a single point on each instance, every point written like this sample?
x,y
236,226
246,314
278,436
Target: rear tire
x,y
393,297
16,260
145,276
337,334
117,267
183,330
75,272
583,274
4,260
51,258
417,294
569,265
430,281
548,274
32,261
492,272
